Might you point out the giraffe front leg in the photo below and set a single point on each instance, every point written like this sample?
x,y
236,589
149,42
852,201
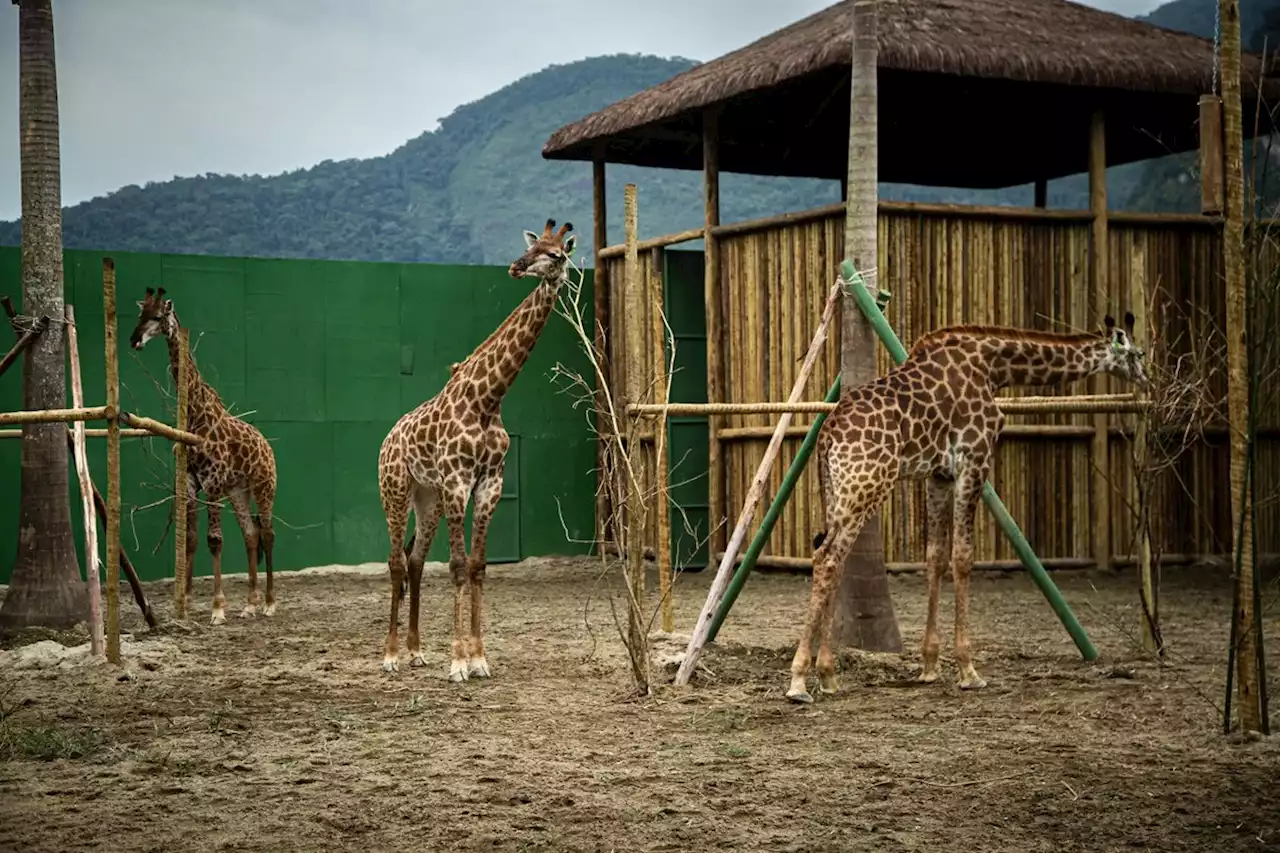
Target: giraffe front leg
x,y
488,492
939,499
825,560
426,518
219,614
397,519
967,492
244,517
455,514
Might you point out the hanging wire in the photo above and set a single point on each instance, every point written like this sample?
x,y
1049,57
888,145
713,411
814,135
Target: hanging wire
x,y
1217,38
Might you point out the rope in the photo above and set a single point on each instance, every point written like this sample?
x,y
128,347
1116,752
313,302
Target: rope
x,y
1217,38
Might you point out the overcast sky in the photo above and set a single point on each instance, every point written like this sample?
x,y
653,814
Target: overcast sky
x,y
150,89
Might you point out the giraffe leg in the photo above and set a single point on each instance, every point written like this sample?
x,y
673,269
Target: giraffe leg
x,y
488,492
239,499
455,508
426,518
832,553
396,507
215,549
967,492
267,542
937,557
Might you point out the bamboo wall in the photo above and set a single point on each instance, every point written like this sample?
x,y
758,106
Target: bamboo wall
x,y
946,265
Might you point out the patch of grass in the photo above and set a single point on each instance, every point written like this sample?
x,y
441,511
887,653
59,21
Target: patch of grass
x,y
733,750
45,743
226,720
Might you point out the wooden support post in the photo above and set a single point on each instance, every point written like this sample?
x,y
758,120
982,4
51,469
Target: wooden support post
x,y
1149,593
636,499
662,392
1041,193
601,333
113,460
1098,280
58,416
181,496
28,338
92,568
718,513
1246,624
1211,202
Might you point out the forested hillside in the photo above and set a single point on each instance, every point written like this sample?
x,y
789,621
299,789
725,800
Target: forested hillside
x,y
465,191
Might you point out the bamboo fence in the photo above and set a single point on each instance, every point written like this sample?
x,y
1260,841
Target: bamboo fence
x,y
947,264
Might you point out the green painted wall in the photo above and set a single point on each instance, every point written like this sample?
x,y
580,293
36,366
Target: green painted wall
x,y
323,357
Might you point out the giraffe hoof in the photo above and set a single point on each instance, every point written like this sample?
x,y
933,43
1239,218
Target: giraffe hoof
x,y
478,667
217,618
800,697
973,682
249,610
458,670
269,610
390,665
417,659
927,677
828,688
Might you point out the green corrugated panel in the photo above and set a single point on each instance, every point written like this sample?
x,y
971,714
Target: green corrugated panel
x,y
359,527
284,321
362,341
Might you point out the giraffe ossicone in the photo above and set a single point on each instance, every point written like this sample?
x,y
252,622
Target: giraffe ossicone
x,y
235,461
934,417
452,449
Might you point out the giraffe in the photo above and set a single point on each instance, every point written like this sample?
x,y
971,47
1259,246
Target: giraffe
x,y
453,447
235,461
935,417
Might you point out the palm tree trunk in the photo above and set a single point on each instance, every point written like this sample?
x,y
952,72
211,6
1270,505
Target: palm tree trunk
x,y
863,615
46,588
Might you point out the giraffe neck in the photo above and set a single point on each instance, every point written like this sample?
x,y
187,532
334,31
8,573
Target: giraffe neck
x,y
1040,359
493,366
204,407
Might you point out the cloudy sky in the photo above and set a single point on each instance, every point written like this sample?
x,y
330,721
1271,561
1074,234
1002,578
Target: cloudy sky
x,y
150,89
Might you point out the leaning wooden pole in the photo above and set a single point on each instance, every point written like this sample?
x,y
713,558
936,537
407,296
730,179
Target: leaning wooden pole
x,y
181,497
92,567
113,460
1100,490
1244,618
633,302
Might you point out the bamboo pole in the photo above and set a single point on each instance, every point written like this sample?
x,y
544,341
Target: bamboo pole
x,y
92,566
88,433
662,390
1101,467
805,564
53,416
1148,597
718,511
1009,405
113,460
601,337
181,496
620,250
28,338
702,627
164,430
1246,627
1010,431
635,497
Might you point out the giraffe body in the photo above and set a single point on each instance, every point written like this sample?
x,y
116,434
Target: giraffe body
x,y
933,417
452,449
235,462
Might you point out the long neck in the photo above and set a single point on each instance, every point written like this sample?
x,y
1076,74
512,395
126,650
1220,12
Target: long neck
x,y
1039,361
203,404
494,365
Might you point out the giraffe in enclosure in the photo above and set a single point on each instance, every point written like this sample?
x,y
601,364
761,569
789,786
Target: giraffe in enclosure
x,y
934,417
454,446
235,461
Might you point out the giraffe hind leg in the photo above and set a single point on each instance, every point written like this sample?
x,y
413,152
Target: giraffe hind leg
x,y
264,522
937,557
487,494
426,518
239,499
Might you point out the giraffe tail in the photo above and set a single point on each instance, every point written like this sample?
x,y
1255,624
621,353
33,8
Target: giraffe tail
x,y
824,478
262,551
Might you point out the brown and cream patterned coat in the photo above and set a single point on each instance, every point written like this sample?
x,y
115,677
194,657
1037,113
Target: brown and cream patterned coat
x,y
934,417
235,461
452,448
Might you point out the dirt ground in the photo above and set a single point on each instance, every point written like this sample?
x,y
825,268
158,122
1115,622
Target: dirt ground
x,y
285,734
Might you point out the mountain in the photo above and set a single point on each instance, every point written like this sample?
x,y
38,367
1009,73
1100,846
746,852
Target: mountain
x,y
464,192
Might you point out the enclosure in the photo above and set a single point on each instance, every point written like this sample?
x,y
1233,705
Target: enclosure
x,y
744,309
323,357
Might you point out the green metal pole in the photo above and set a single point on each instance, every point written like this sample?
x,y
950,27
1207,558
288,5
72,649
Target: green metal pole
x,y
1020,545
749,556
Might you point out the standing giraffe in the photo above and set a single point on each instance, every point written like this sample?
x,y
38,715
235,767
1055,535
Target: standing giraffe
x,y
934,417
234,461
454,446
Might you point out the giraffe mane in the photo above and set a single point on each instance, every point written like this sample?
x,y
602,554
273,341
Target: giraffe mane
x,y
1008,333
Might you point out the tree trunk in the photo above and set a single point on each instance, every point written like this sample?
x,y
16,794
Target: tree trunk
x,y
864,615
46,588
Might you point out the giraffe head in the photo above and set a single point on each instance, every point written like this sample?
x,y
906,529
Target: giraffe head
x,y
547,254
1120,356
156,318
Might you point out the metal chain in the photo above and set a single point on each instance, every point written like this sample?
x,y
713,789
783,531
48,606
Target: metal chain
x,y
1217,36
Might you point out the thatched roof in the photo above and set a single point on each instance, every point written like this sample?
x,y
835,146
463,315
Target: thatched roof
x,y
990,71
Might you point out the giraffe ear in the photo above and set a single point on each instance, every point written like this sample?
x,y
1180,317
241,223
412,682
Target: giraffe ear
x,y
1109,321
529,239
142,303
1129,321
569,244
